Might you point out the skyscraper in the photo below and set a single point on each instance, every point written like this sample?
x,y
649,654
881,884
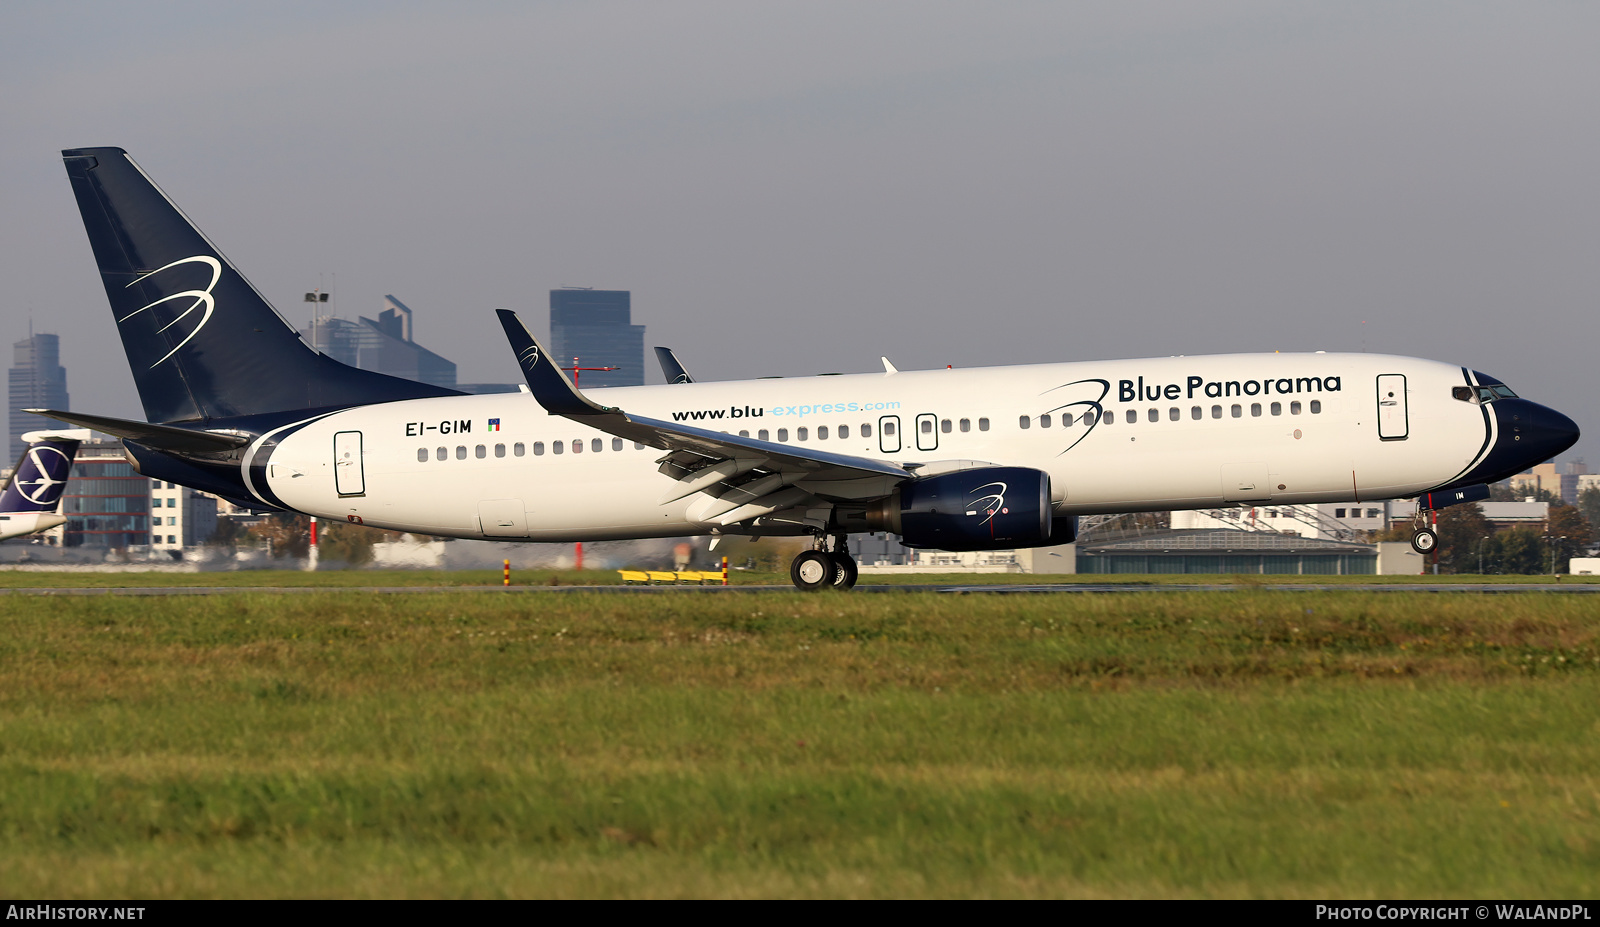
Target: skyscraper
x,y
595,327
383,344
38,381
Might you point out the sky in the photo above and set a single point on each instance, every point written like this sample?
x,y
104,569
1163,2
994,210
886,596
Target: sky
x,y
791,188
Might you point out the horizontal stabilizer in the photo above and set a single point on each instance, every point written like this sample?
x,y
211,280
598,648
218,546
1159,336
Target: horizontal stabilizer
x,y
161,437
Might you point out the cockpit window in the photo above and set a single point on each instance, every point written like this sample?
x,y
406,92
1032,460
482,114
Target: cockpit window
x,y
1489,389
1464,394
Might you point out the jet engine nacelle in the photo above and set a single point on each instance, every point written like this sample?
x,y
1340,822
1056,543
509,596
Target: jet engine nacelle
x,y
984,508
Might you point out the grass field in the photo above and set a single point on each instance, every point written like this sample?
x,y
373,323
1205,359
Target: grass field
x,y
1337,744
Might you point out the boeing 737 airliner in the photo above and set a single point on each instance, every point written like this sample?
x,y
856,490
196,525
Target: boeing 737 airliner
x,y
980,459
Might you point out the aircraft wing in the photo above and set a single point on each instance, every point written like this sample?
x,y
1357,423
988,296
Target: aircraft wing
x,y
750,478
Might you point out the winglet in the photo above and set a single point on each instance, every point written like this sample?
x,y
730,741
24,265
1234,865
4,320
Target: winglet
x,y
670,367
546,380
888,367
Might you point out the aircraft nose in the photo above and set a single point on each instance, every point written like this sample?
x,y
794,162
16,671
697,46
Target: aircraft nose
x,y
1537,432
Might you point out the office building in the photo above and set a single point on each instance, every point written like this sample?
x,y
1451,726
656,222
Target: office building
x,y
384,345
595,327
106,503
180,517
38,381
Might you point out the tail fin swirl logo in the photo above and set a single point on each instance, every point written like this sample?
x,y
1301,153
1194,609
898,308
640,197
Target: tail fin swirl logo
x,y
200,297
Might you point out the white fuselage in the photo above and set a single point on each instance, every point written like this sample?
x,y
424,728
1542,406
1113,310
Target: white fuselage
x,y
1165,435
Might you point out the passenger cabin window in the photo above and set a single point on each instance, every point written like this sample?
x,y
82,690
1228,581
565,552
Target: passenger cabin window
x,y
927,426
1216,411
866,430
1294,407
783,434
422,455
844,431
1238,410
1195,412
822,432
966,425
499,450
983,424
1174,414
742,434
763,435
1277,408
888,429
1154,415
1108,417
802,433
945,426
1130,416
1255,409
480,452
441,453
577,445
1316,407
1044,420
596,445
1024,423
461,452
558,447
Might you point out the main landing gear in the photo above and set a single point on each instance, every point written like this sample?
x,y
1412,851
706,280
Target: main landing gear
x,y
824,569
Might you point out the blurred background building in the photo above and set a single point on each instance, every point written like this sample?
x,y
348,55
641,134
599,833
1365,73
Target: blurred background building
x,y
596,327
38,381
385,345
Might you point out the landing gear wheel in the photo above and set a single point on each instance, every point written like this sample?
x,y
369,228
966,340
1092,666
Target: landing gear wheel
x,y
1424,541
844,572
812,570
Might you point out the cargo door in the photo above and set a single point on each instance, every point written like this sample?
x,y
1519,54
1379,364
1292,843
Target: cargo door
x,y
1393,421
348,475
503,518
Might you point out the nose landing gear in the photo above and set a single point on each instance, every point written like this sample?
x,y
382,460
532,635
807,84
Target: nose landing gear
x,y
1425,541
824,569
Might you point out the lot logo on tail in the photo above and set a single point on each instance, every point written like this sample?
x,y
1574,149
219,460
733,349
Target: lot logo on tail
x,y
44,489
200,297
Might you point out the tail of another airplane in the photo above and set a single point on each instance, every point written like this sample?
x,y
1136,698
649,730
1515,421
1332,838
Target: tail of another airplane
x,y
202,342
31,500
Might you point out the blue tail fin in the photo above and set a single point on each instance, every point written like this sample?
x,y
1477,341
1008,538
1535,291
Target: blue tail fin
x,y
202,342
40,477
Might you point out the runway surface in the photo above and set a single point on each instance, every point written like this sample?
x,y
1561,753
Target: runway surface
x,y
1020,589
